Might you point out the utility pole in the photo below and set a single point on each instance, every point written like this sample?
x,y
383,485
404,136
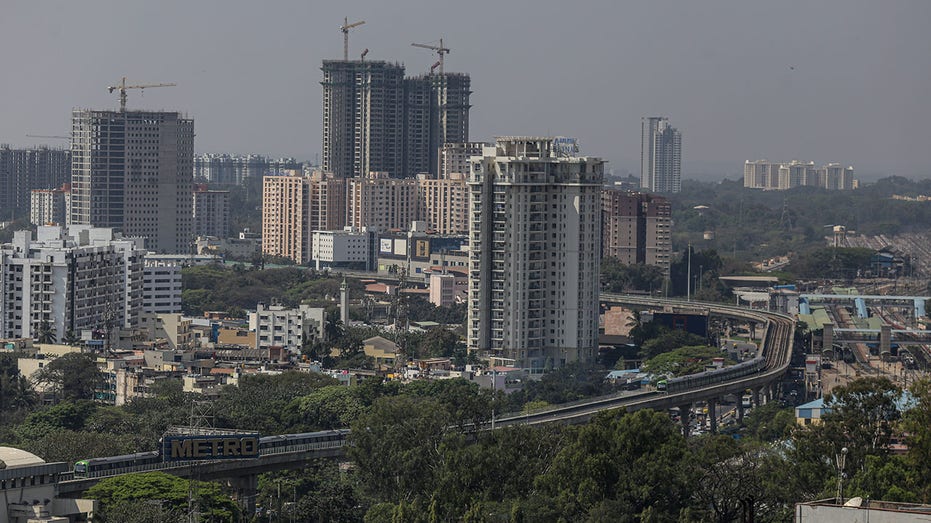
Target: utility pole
x,y
688,275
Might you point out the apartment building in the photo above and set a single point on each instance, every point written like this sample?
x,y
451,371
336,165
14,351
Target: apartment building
x,y
211,210
132,171
636,228
660,155
763,174
277,326
23,170
71,279
535,245
444,203
380,201
50,206
161,287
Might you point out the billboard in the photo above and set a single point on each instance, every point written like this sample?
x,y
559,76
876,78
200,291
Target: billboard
x,y
210,446
385,245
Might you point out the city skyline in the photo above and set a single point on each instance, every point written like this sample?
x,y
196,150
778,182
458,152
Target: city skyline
x,y
861,70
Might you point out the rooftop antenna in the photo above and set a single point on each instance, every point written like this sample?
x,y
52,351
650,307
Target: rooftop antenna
x,y
122,87
345,29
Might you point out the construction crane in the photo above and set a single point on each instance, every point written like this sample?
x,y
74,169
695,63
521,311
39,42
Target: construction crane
x,y
345,29
45,136
440,50
122,87
433,67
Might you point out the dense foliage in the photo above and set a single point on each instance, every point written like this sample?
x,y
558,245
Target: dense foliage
x,y
753,224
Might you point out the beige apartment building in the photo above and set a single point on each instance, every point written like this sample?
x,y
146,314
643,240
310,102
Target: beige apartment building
x,y
293,206
382,202
444,203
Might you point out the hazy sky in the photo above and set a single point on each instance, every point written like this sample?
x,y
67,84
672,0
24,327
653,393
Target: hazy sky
x,y
839,80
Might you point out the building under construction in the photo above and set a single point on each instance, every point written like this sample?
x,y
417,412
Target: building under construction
x,y
375,119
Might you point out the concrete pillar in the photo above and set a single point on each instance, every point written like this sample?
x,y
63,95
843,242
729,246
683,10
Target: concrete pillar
x,y
344,303
244,490
684,413
740,408
756,397
769,393
885,339
713,416
827,336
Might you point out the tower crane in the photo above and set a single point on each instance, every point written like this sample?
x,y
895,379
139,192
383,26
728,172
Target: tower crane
x,y
46,136
440,50
122,87
345,29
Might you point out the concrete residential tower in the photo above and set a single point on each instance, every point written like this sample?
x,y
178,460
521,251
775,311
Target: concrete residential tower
x,y
660,155
535,233
132,171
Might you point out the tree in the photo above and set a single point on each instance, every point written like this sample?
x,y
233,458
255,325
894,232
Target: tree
x,y
398,446
261,402
330,407
917,424
629,465
73,376
46,333
71,339
171,491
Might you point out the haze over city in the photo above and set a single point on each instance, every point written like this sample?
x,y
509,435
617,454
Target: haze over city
x,y
834,81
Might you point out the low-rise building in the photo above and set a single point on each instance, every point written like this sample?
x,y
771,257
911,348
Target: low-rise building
x,y
277,326
382,350
448,288
351,248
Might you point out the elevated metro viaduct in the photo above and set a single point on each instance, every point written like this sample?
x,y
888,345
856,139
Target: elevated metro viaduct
x,y
777,345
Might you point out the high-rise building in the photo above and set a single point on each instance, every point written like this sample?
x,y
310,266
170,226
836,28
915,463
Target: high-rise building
x,y
23,170
454,157
50,206
74,279
211,212
132,171
225,169
293,206
636,228
660,155
762,174
535,233
444,203
437,112
363,117
382,202
376,120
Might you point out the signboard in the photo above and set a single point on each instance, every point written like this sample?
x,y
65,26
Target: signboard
x,y
385,245
421,249
210,446
565,146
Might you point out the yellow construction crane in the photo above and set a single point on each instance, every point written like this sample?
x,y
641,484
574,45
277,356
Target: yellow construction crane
x,y
122,87
345,29
440,50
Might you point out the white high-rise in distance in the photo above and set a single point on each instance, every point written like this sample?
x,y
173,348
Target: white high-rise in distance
x,y
534,235
660,155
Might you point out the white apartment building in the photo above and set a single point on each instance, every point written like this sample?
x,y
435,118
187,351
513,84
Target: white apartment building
x,y
82,278
350,247
276,326
763,174
660,155
535,233
49,206
161,287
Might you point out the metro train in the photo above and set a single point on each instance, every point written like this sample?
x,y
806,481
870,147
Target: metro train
x,y
142,461
704,379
